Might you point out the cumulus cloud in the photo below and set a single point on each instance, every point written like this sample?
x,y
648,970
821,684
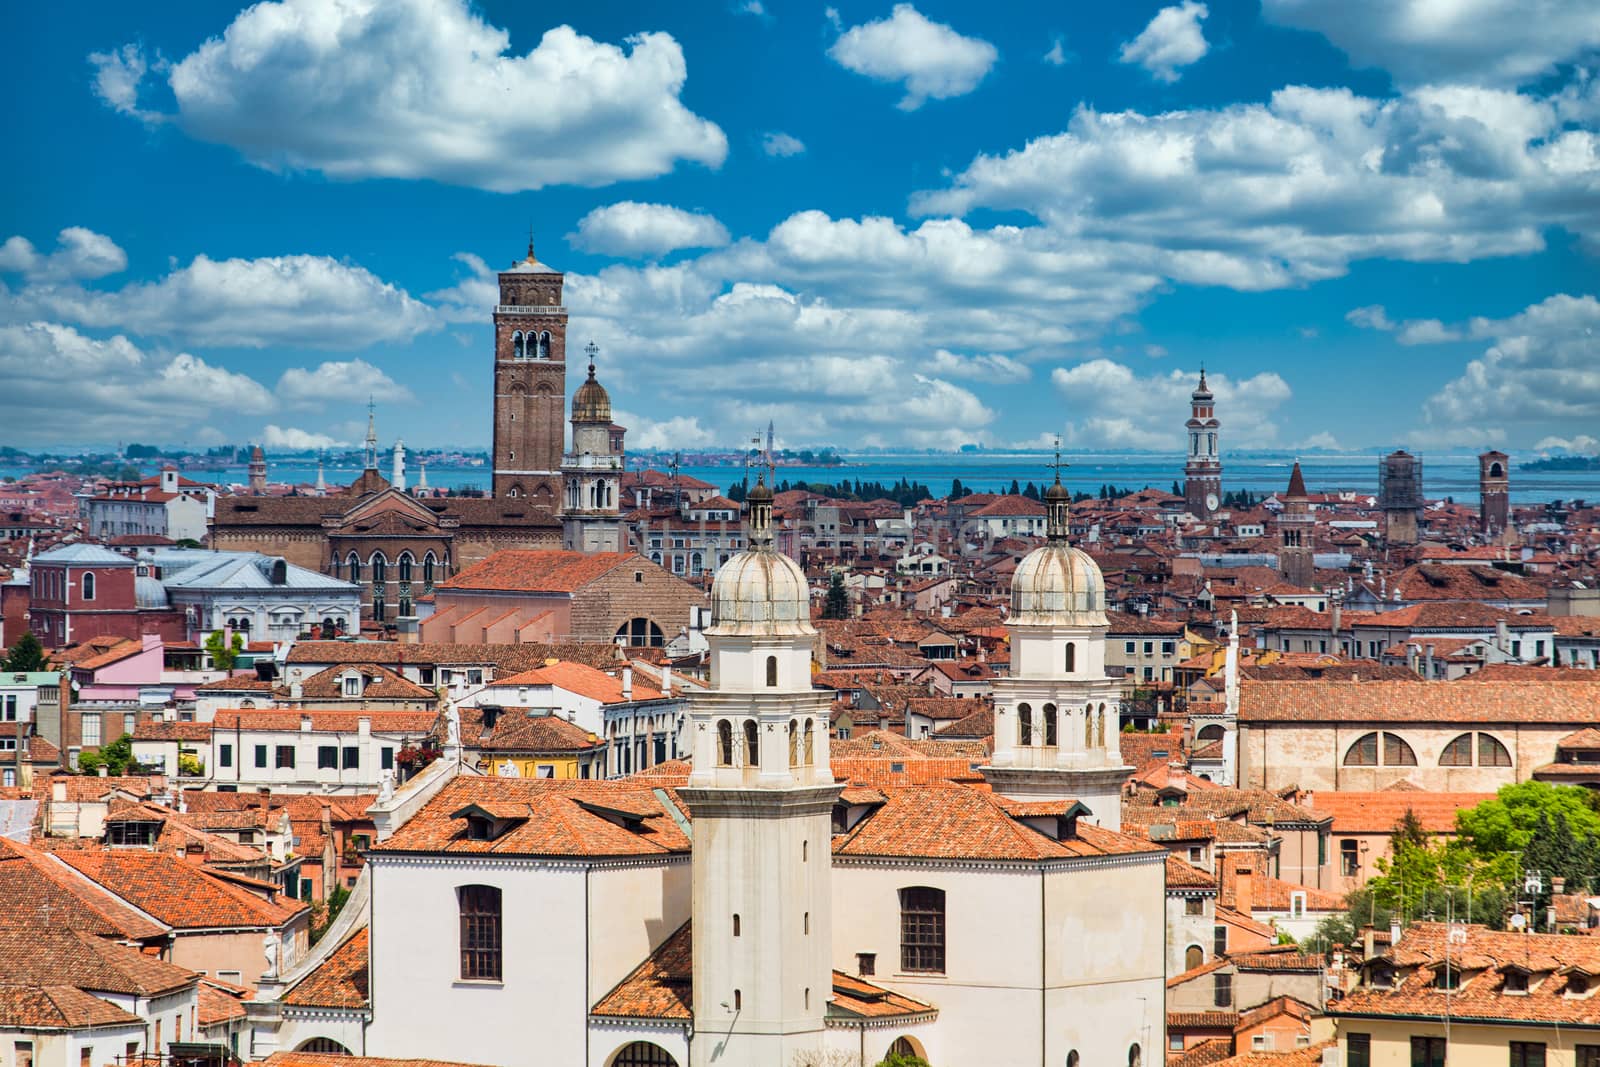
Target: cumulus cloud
x,y
427,89
781,145
1538,375
931,59
1171,40
1109,405
991,367
680,431
1409,332
1324,440
293,439
354,379
1496,42
629,228
1582,443
80,253
1057,56
79,388
231,303
1258,196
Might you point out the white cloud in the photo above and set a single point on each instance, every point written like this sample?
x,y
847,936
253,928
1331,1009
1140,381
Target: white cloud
x,y
752,7
1498,42
1258,196
933,60
1538,375
473,298
428,89
680,431
629,228
1581,443
231,303
993,367
83,389
1156,351
293,439
349,380
117,75
1409,332
1371,317
781,145
1109,405
1323,440
1058,56
1171,40
81,253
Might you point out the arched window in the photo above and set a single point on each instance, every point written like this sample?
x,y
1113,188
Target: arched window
x,y
696,563
516,344
1072,657
1495,470
1364,752
354,565
772,671
1072,1058
735,924
1457,753
752,743
544,345
480,932
1491,753
1212,732
88,585
1088,726
810,746
905,1048
794,743
1050,726
1025,724
1100,727
724,743
380,567
323,1044
427,569
1135,1056
639,633
1193,956
922,929
514,492
405,566
643,1054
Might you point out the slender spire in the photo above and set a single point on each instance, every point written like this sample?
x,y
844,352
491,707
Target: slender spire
x,y
372,435
1297,482
530,242
761,513
591,350
1058,503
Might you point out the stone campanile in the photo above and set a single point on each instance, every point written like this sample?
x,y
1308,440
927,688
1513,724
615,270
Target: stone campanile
x,y
1202,472
530,383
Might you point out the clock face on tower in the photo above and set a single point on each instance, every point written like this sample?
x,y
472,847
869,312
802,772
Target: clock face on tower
x,y
1212,502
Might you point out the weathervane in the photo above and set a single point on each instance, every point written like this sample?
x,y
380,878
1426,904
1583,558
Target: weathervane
x,y
591,350
1058,463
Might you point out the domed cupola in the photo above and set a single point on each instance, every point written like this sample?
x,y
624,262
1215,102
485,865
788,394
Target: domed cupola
x,y
1056,584
591,403
760,592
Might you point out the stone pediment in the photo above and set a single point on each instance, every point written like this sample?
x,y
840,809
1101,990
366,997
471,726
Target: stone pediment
x,y
392,509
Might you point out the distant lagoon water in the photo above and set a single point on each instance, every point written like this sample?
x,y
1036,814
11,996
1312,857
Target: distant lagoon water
x,y
1443,476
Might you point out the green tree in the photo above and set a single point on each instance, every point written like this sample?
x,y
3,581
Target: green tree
x,y
116,758
324,912
1507,823
837,605
224,652
27,654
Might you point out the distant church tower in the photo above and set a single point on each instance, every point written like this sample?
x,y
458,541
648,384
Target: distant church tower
x,y
1494,494
1056,720
592,471
1400,497
1202,485
1295,534
761,793
258,472
530,383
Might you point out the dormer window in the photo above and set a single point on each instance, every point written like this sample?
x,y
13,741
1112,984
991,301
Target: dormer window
x,y
1577,985
1516,982
352,685
1447,977
486,824
1381,976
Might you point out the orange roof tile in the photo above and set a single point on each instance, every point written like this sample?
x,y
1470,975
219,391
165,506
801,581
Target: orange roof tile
x,y
541,571
339,982
659,988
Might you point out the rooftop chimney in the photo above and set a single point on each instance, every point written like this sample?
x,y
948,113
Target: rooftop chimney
x,y
1243,895
666,680
1428,660
627,683
1502,636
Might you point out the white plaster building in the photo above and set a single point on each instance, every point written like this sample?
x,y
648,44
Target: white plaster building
x,y
261,597
755,910
310,750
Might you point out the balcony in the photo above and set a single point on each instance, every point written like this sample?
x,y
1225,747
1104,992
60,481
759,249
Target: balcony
x,y
530,309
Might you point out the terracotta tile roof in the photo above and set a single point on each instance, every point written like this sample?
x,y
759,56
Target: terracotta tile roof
x,y
977,725
181,894
241,683
378,683
1305,1056
161,730
518,730
659,988
220,1004
116,654
557,823
1207,1052
541,572
325,720
888,771
856,998
339,1059
39,955
340,981
576,678
505,659
81,787
1378,812
57,1007
1379,702
1276,1008
1202,1020
949,821
1182,875
57,895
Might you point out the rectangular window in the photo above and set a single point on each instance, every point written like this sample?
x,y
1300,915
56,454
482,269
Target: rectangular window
x,y
285,756
1358,1050
387,761
480,933
1587,1056
1194,906
1128,647
1222,990
1427,1052
91,731
1322,849
352,686
1168,648
352,757
1219,940
1149,648
1349,859
327,757
261,755
224,755
867,964
11,707
1175,1042
1527,1054
922,929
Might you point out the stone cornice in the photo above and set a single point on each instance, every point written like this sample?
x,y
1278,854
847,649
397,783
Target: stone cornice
x,y
755,803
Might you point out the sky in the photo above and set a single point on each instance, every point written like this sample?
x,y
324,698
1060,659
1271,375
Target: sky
x,y
921,225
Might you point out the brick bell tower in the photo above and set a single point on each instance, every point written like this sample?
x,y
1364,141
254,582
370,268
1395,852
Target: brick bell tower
x,y
1494,494
530,383
1202,473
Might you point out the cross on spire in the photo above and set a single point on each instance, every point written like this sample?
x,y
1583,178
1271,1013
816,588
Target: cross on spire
x,y
591,350
1058,464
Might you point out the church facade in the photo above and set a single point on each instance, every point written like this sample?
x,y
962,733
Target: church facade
x,y
398,546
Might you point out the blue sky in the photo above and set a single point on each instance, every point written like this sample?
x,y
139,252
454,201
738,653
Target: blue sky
x,y
1374,221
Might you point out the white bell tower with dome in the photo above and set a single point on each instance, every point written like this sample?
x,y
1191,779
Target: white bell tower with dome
x,y
761,793
1056,716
